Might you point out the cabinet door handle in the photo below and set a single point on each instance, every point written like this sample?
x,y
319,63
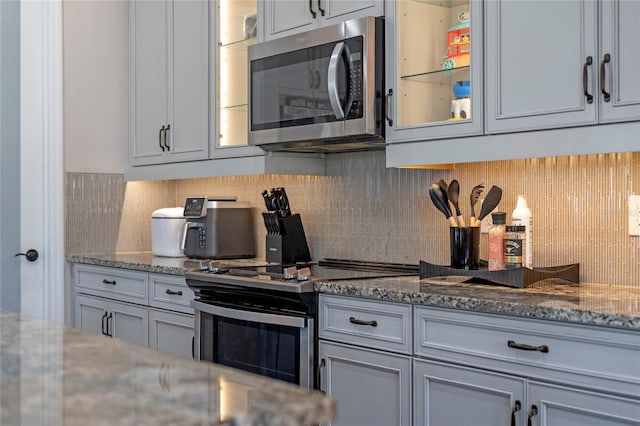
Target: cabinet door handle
x,y
372,323
166,144
193,347
532,413
322,11
104,317
319,375
605,60
175,293
585,79
523,347
516,407
108,318
388,107
313,12
106,281
160,138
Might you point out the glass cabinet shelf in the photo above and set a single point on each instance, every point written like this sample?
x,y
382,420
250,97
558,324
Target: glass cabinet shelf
x,y
239,107
444,3
440,76
240,44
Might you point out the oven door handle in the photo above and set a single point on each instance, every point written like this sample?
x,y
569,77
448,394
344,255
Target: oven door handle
x,y
249,315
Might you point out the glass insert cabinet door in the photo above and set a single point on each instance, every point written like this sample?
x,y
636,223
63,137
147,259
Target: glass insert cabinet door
x,y
433,68
236,28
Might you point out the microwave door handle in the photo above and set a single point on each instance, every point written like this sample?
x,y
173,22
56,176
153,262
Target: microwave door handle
x,y
332,80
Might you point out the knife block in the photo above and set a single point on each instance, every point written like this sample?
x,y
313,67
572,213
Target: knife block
x,y
290,246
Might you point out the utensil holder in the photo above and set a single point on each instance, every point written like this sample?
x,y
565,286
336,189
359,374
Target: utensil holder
x,y
464,247
516,277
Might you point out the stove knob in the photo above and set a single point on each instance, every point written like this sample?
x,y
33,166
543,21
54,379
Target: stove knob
x,y
304,274
214,266
201,266
289,273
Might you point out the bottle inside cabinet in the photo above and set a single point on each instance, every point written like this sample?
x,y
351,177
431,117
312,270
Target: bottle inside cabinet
x,y
237,30
434,46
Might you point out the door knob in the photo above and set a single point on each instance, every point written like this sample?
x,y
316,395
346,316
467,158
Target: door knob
x,y
31,255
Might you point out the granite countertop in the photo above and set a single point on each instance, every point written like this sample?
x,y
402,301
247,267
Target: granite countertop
x,y
586,303
57,375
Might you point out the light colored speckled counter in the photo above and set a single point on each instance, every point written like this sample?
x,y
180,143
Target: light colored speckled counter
x,y
56,375
592,304
586,303
142,261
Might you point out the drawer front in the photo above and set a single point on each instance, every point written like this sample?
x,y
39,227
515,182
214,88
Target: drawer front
x,y
115,283
570,353
170,292
374,324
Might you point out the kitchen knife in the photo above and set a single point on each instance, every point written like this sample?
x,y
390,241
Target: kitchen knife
x,y
282,202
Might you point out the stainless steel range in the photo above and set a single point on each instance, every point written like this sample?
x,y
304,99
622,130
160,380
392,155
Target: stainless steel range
x,y
261,317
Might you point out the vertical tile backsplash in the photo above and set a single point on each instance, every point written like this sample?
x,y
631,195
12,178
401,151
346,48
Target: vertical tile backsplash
x,y
362,210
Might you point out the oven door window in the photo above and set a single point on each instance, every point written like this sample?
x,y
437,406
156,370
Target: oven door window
x,y
266,349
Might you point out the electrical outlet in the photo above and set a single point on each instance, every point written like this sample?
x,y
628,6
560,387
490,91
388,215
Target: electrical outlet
x,y
634,215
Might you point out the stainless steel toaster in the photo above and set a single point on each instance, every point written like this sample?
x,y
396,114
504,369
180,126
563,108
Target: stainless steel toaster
x,y
218,228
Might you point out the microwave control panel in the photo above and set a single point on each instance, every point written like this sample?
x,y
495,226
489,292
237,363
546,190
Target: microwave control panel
x,y
355,47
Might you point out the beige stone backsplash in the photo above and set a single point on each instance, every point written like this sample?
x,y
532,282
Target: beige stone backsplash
x,y
363,210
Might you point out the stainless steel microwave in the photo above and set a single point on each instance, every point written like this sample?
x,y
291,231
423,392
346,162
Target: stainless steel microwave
x,y
322,90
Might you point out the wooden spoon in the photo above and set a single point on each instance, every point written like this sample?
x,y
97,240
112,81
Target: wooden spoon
x,y
454,192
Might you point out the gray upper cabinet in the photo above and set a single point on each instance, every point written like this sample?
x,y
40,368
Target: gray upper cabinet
x,y
433,69
550,65
169,81
285,17
619,35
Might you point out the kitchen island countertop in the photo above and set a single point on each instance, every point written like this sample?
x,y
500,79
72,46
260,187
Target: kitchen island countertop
x,y
57,375
586,303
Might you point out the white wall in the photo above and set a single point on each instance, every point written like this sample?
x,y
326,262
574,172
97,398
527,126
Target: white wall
x,y
94,37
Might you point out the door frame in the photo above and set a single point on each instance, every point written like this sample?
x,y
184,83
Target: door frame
x,y
41,156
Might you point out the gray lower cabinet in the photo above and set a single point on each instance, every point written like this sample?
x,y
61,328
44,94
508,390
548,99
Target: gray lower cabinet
x,y
144,308
371,387
365,360
488,370
452,395
551,404
171,332
114,319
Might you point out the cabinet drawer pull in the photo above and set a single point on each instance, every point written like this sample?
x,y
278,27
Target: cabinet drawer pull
x,y
388,107
160,138
319,375
110,316
313,12
104,317
523,347
516,407
585,79
106,281
605,60
372,323
532,413
322,11
166,144
176,293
